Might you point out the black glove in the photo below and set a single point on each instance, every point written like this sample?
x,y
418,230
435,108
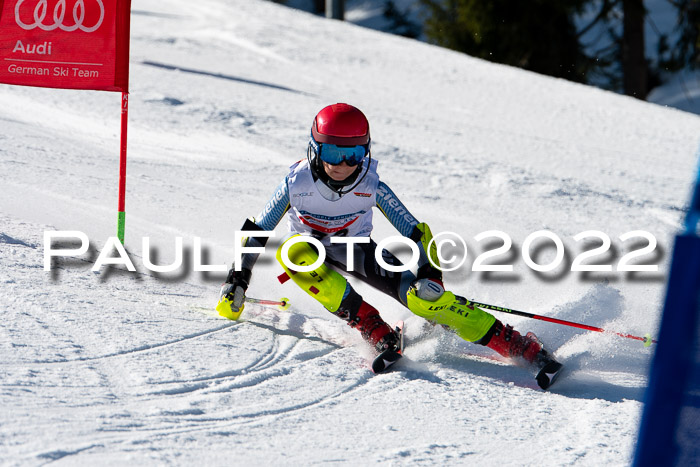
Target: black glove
x,y
235,287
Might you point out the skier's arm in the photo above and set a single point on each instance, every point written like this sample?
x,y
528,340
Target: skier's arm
x,y
408,226
269,217
233,290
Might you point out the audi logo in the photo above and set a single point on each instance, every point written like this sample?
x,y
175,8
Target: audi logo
x,y
59,15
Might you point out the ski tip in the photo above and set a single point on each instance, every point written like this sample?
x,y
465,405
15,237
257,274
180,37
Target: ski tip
x,y
549,374
385,360
390,356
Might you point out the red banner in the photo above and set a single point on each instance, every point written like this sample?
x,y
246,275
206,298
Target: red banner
x,y
72,44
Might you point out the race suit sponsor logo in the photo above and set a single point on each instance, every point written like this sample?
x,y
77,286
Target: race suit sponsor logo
x,y
272,204
328,224
395,205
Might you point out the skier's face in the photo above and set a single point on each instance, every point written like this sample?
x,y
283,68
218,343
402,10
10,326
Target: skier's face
x,y
339,172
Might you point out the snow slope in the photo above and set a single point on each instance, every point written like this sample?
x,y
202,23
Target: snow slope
x,y
113,367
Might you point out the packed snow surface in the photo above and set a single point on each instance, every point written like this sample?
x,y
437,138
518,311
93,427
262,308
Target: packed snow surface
x,y
114,367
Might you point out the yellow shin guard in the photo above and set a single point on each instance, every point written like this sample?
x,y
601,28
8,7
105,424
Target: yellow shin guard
x,y
324,284
469,322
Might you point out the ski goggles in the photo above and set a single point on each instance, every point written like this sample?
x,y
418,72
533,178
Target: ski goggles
x,y
334,155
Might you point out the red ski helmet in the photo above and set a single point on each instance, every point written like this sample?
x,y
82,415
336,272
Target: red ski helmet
x,y
339,132
342,125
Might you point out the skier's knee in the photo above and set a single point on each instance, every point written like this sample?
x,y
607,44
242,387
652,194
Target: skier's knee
x,y
466,320
322,283
427,309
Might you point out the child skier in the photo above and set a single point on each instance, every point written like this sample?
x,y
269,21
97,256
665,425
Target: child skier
x,y
331,194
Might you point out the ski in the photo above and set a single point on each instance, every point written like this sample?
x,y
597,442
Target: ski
x,y
390,356
549,371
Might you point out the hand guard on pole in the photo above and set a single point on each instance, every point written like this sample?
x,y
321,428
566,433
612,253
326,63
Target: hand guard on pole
x,y
233,291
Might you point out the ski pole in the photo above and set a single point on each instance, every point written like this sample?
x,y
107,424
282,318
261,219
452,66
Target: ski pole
x,y
224,306
646,339
282,303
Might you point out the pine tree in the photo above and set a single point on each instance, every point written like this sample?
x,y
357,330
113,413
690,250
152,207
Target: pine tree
x,y
399,21
537,35
685,52
635,69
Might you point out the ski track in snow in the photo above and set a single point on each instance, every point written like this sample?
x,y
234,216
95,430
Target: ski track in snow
x,y
113,367
170,407
125,397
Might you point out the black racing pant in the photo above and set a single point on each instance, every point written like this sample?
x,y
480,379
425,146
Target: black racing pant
x,y
368,270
